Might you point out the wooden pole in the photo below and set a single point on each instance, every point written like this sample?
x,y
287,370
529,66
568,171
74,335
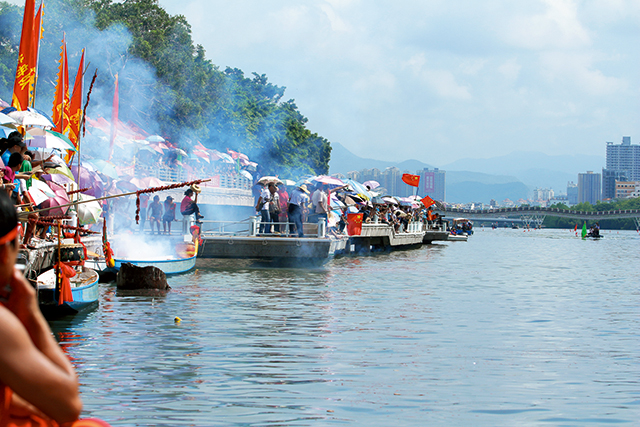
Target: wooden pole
x,y
98,199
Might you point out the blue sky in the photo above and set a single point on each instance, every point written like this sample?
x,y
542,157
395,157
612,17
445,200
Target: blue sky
x,y
439,80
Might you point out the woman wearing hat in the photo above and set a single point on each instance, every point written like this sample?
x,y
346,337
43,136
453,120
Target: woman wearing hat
x,y
188,206
169,214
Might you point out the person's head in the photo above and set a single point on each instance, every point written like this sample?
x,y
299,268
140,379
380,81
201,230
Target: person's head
x,y
189,192
28,155
156,198
15,161
272,187
8,237
168,200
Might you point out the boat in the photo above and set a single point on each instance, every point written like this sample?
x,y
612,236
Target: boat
x,y
462,224
84,290
168,266
457,238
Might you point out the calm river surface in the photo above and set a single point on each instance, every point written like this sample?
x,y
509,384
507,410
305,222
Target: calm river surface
x,y
511,328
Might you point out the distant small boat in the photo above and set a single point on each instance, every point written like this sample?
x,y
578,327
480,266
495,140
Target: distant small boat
x,y
84,289
168,266
457,237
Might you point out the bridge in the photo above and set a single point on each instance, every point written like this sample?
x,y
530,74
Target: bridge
x,y
535,215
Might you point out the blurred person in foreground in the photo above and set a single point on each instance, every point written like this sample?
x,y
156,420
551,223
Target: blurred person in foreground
x,y
38,385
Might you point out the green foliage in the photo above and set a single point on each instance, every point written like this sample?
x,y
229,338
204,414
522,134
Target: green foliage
x,y
611,224
189,99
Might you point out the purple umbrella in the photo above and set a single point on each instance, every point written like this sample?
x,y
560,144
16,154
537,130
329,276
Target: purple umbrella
x,y
90,179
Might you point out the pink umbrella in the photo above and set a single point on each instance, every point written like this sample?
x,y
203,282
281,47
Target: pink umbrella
x,y
327,180
59,199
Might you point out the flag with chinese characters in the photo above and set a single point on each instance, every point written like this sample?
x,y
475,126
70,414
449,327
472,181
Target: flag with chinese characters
x,y
412,180
427,201
75,105
26,71
60,108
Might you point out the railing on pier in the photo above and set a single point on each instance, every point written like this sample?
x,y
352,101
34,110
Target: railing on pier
x,y
250,227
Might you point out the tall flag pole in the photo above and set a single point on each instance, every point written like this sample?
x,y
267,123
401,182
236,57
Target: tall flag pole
x,y
35,53
20,99
61,100
114,119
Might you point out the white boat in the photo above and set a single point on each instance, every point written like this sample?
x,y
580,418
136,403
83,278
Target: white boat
x,y
457,237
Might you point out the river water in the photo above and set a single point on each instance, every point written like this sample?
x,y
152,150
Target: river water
x,y
510,328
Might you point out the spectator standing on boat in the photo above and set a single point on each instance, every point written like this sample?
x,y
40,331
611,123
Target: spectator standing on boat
x,y
11,175
188,206
144,202
155,213
169,214
320,202
299,198
274,206
37,382
283,199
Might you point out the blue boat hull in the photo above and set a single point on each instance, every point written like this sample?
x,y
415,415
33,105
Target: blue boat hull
x,y
84,298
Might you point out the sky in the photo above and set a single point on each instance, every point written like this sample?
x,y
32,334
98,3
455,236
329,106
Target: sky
x,y
439,80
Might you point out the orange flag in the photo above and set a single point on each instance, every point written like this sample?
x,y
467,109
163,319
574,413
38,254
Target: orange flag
x,y
60,114
114,118
412,180
25,73
427,201
75,105
35,54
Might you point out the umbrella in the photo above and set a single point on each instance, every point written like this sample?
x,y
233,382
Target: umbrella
x,y
327,180
5,120
88,213
246,174
155,138
390,200
126,186
61,168
58,178
59,199
269,179
40,191
105,168
358,188
88,178
371,184
30,117
45,139
289,182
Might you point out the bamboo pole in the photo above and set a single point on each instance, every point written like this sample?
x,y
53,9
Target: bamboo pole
x,y
102,198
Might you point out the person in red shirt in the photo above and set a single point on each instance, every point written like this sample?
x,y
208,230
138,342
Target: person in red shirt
x,y
188,206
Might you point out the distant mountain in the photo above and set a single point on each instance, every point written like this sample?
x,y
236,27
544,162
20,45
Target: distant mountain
x,y
534,168
461,186
343,161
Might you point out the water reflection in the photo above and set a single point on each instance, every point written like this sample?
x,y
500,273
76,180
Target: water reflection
x,y
509,328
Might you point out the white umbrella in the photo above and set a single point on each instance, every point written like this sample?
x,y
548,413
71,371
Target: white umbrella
x,y
30,117
88,213
6,120
43,139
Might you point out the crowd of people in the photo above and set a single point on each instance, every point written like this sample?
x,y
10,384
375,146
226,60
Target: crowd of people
x,y
310,203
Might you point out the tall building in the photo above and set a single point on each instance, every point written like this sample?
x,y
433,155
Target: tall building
x,y
572,193
543,194
624,158
432,183
609,179
589,187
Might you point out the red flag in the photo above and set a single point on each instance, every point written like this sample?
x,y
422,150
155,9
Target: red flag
x,y
412,180
354,224
25,73
35,53
427,201
75,105
60,109
114,118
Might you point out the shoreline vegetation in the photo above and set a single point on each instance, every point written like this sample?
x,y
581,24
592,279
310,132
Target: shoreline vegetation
x,y
609,224
167,85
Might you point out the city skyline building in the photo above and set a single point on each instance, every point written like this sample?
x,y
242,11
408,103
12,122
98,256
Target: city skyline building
x,y
572,193
589,187
624,157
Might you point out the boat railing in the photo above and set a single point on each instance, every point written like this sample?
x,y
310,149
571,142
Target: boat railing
x,y
252,227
